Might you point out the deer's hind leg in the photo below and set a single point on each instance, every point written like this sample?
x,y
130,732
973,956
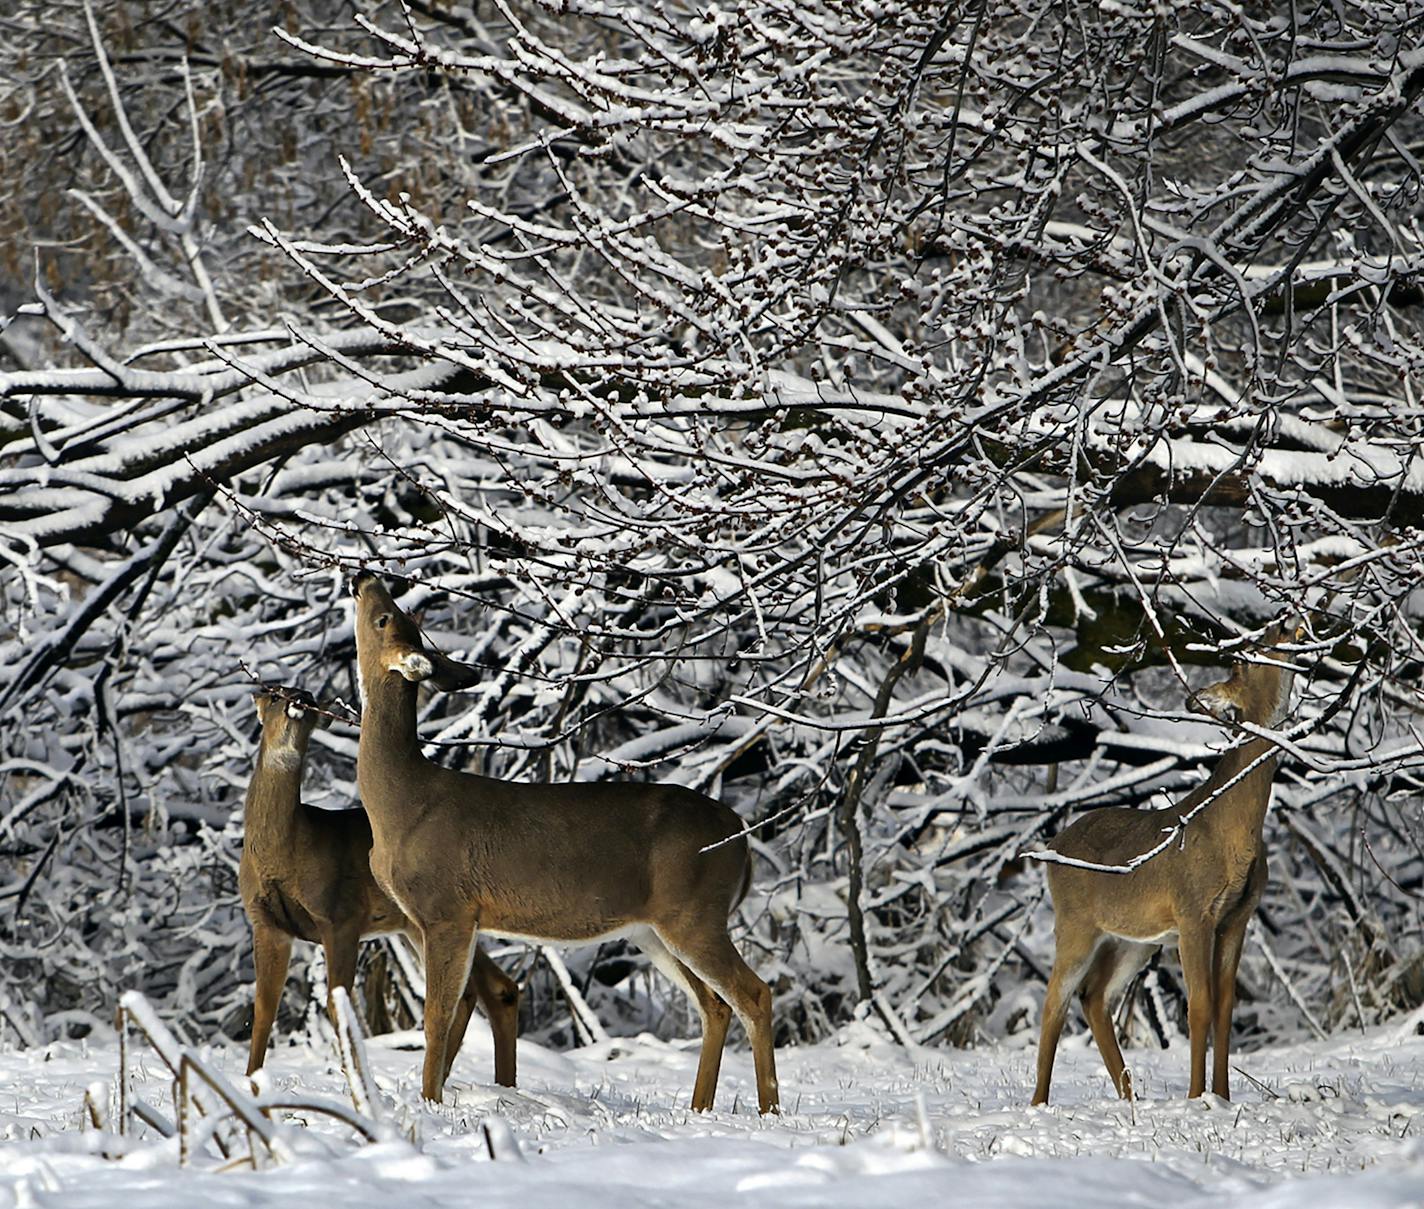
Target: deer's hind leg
x,y
712,1008
1073,953
498,993
1114,966
710,955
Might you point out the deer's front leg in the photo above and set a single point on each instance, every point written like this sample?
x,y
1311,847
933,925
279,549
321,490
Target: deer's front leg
x,y
1229,939
448,949
271,953
1228,957
1196,944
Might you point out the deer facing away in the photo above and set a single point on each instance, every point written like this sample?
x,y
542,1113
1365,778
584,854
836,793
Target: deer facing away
x,y
561,863
1201,890
306,873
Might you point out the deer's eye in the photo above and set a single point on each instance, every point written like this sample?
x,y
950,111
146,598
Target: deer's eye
x,y
382,621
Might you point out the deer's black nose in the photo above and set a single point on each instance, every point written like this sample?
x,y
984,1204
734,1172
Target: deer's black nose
x,y
359,581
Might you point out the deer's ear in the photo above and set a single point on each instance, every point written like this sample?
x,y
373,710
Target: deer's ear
x,y
1291,627
449,676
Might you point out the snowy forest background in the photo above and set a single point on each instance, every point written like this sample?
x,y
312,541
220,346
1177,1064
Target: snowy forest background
x,y
877,414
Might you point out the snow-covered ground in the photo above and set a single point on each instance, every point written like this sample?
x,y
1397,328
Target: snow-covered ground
x,y
1325,1125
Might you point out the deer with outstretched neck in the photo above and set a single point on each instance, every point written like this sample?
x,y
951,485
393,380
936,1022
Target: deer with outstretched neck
x,y
306,874
660,865
1200,889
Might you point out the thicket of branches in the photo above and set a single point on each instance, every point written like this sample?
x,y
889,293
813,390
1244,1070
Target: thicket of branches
x,y
879,415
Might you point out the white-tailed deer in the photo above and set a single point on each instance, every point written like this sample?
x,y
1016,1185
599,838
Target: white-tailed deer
x,y
561,863
1201,890
306,873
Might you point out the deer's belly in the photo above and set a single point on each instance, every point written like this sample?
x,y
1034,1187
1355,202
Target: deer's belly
x,y
579,933
1167,936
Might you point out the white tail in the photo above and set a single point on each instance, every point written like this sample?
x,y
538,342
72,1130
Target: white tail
x,y
1202,889
306,873
658,864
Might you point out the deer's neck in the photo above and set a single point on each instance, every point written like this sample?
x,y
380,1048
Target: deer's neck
x,y
388,753
274,796
1242,783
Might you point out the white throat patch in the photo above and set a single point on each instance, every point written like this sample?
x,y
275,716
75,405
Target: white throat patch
x,y
414,666
282,759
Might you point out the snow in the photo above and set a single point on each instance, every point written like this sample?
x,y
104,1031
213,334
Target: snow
x,y
866,1124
